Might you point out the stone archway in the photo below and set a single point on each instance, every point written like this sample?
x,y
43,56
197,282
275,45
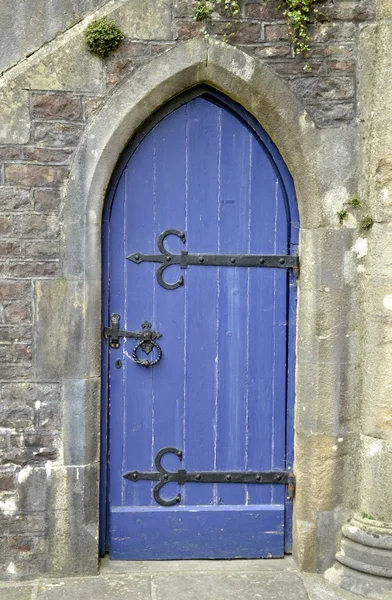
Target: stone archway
x,y
319,458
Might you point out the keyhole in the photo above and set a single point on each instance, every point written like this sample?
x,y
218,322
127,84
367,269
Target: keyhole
x,y
118,364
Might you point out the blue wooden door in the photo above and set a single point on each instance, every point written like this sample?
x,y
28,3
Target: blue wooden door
x,y
220,392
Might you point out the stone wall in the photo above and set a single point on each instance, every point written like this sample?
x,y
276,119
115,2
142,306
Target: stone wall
x,y
46,102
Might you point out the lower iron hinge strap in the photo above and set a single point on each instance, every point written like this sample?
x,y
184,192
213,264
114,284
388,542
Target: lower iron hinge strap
x,y
162,476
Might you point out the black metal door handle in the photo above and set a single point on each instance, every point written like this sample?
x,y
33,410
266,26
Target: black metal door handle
x,y
147,344
146,340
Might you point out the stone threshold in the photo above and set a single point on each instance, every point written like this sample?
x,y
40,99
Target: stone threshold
x,y
272,579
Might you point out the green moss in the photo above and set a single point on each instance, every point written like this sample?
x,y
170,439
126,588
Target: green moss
x,y
103,37
366,222
368,516
355,203
342,214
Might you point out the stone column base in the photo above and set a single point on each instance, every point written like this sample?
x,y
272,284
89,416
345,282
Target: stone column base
x,y
364,562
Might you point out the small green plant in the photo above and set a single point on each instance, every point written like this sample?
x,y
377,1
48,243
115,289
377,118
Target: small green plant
x,y
368,516
203,9
300,14
103,37
342,214
355,203
366,222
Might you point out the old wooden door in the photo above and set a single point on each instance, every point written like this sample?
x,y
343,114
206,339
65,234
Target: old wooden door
x,y
203,172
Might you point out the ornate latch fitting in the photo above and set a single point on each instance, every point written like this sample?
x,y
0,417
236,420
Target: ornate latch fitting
x,y
145,338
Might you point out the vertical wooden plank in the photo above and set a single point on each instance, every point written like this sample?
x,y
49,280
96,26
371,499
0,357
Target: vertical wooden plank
x,y
201,293
116,305
138,296
169,306
231,429
279,347
262,311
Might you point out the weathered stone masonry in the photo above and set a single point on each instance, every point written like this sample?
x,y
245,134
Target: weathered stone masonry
x,y
49,457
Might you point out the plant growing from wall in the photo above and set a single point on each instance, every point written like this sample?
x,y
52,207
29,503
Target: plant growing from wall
x,y
342,215
299,13
103,37
366,222
355,203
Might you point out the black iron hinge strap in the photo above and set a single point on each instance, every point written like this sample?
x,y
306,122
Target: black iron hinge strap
x,y
184,259
162,476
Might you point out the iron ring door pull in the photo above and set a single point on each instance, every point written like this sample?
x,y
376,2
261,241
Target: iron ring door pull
x,y
146,340
144,362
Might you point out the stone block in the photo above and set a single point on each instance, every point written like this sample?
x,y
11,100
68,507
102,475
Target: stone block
x,y
11,333
47,155
10,249
81,419
144,19
229,586
33,268
335,32
12,198
14,115
270,51
34,175
376,463
56,106
43,249
357,10
17,592
14,290
36,226
327,261
47,201
277,33
73,522
72,310
19,371
7,481
5,225
31,392
262,11
56,134
186,30
57,66
237,32
18,312
332,114
17,415
103,588
332,87
9,152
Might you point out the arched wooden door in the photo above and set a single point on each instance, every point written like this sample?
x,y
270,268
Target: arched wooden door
x,y
198,200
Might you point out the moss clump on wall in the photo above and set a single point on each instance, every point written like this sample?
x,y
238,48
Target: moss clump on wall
x,y
103,37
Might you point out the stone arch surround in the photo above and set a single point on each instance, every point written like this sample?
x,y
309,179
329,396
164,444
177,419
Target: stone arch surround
x,y
322,168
